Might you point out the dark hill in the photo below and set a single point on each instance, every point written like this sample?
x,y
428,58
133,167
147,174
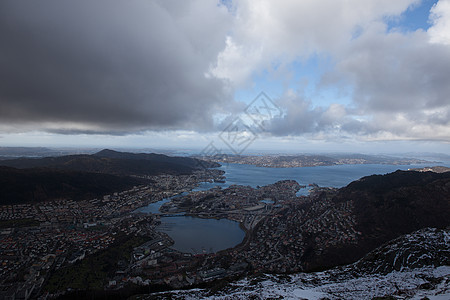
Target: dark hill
x,y
34,185
183,161
385,207
113,162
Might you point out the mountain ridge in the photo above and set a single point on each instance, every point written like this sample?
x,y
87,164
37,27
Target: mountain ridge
x,y
385,207
114,162
84,176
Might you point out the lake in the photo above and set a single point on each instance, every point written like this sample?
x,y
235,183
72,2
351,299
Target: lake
x,y
195,235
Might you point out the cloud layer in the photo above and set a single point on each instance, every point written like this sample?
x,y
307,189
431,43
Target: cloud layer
x,y
398,82
116,67
110,65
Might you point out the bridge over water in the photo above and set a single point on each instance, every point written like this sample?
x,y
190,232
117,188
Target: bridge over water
x,y
169,215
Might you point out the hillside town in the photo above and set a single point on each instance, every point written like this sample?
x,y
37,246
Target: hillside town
x,y
51,248
37,239
307,160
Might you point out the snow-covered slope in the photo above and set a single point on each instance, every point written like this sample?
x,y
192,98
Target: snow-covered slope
x,y
426,247
413,266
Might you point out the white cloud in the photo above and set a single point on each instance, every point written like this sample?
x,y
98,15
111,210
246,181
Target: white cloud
x,y
401,81
394,77
267,31
236,63
440,18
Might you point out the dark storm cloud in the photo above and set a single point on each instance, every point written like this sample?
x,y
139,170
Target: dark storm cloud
x,y
110,65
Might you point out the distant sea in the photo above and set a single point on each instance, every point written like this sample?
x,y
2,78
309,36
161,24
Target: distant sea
x,y
329,176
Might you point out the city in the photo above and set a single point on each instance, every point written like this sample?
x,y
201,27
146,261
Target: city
x,y
39,242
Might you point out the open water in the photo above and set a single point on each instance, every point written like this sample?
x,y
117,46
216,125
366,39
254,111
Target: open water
x,y
195,235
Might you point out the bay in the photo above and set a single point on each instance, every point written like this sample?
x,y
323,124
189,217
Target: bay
x,y
328,176
195,235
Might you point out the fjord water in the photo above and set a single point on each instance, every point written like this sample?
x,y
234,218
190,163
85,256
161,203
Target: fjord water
x,y
195,235
327,176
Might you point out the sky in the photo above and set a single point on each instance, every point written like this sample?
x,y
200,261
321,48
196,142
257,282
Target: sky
x,y
226,76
